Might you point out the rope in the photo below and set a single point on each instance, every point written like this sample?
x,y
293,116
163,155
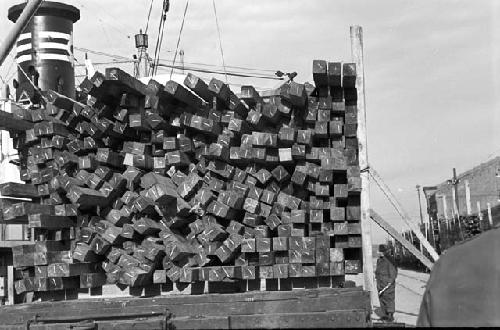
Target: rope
x,y
149,16
179,38
220,39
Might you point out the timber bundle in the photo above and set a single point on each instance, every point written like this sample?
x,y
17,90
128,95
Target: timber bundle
x,y
184,183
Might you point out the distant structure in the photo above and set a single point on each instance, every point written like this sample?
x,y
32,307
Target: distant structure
x,y
181,54
45,49
142,65
484,183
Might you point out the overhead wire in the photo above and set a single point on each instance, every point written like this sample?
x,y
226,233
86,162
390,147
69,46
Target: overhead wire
x,y
179,37
100,53
161,30
220,39
228,66
149,17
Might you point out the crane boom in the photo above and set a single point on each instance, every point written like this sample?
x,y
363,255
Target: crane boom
x,y
23,20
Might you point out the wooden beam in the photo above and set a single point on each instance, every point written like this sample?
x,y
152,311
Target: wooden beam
x,y
11,244
394,233
357,56
467,198
10,285
9,123
404,215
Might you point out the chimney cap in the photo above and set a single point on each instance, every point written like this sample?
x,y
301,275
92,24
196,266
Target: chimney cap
x,y
48,8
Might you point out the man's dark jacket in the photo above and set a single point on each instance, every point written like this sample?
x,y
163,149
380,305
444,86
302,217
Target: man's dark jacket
x,y
464,286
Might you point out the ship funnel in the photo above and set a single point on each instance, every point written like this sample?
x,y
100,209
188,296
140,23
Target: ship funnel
x,y
45,49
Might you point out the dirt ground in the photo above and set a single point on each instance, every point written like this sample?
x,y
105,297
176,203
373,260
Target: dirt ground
x,y
410,287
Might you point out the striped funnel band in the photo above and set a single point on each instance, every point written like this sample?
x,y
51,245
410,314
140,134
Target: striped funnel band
x,y
52,45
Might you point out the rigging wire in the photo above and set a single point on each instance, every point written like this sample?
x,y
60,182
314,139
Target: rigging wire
x,y
149,16
227,66
220,39
235,74
179,38
161,30
126,59
119,57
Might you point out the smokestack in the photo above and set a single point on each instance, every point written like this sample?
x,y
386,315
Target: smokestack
x,y
45,48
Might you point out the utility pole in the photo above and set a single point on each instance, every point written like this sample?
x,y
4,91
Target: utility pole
x,y
356,33
455,181
420,205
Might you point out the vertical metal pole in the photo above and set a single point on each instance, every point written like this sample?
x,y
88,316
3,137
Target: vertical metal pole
x,y
356,33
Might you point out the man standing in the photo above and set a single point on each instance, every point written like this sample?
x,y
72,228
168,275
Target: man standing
x,y
385,275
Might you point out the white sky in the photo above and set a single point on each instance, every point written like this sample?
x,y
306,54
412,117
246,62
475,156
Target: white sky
x,y
432,68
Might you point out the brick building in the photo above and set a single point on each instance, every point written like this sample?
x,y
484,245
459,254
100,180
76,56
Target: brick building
x,y
484,183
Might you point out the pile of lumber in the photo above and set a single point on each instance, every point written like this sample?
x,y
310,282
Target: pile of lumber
x,y
140,184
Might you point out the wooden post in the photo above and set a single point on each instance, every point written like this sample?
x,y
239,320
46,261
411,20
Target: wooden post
x,y
454,198
467,198
490,218
357,56
445,211
10,285
479,213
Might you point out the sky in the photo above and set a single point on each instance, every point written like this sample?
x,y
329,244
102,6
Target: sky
x,y
431,69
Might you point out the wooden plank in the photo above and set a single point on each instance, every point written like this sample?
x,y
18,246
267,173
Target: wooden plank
x,y
19,190
395,234
309,320
357,54
256,303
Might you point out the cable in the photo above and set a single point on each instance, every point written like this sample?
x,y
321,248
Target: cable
x,y
228,66
161,30
179,38
220,39
235,74
101,53
149,16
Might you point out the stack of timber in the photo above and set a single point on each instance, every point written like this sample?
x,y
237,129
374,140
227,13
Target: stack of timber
x,y
189,183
